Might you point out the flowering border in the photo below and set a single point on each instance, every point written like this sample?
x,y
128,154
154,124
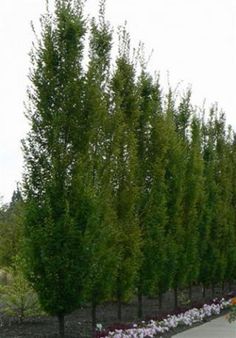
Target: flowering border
x,y
187,318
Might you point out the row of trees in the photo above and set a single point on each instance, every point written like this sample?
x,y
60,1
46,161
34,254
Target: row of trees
x,y
128,191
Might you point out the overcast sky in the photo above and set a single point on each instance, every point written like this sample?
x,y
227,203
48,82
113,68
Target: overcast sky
x,y
193,40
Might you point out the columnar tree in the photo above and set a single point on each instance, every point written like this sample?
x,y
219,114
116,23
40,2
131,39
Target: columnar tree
x,y
206,228
159,272
232,262
189,129
122,190
124,168
193,202
148,130
100,231
175,175
224,224
53,234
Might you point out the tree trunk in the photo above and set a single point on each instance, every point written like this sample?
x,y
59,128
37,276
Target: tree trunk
x,y
61,322
204,291
119,298
223,288
119,312
190,294
160,300
94,317
176,297
212,290
140,304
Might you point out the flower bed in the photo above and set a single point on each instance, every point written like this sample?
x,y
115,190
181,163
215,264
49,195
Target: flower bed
x,y
171,322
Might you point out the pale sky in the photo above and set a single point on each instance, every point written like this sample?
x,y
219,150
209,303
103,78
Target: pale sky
x,y
193,40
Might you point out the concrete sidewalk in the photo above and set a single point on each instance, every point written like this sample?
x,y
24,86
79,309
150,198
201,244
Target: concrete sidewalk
x,y
217,328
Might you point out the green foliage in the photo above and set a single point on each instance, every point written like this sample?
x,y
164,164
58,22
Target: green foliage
x,y
17,297
124,166
124,186
194,199
11,229
232,250
175,176
100,231
224,223
53,234
152,153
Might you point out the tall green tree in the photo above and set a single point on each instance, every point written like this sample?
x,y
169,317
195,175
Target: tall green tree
x,y
224,211
152,151
193,202
175,175
206,228
231,261
53,234
147,108
125,113
189,129
156,240
101,230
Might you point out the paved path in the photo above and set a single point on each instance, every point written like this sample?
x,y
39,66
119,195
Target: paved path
x,y
216,328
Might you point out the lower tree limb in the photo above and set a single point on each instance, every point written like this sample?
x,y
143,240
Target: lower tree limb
x,y
223,288
140,304
212,290
204,291
175,297
94,316
61,322
119,298
119,309
160,298
190,293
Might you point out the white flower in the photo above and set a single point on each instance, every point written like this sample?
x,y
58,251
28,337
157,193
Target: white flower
x,y
99,327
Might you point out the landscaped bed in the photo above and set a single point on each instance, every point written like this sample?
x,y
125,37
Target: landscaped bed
x,y
168,325
78,324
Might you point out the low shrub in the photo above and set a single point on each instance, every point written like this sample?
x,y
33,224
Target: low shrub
x,y
17,298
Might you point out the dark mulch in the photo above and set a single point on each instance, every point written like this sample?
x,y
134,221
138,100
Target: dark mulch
x,y
78,324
